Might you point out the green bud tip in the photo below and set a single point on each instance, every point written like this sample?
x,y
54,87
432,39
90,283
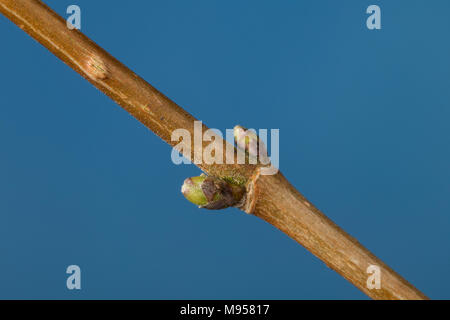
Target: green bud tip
x,y
211,192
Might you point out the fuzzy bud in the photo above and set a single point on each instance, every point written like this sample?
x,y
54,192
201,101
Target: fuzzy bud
x,y
249,141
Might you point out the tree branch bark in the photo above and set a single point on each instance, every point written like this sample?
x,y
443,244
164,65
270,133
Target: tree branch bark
x,y
271,198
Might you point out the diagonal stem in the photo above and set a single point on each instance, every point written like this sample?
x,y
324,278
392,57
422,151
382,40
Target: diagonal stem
x,y
271,198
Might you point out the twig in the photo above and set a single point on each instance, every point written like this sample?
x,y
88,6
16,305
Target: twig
x,y
271,198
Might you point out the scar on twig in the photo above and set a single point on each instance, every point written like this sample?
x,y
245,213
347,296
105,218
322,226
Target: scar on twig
x,y
96,68
248,202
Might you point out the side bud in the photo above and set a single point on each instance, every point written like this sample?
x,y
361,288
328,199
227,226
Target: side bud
x,y
211,192
249,141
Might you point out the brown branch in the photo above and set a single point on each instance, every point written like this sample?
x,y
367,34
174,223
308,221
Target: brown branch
x,y
271,198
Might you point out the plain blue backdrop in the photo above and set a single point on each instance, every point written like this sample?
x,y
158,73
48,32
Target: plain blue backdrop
x,y
364,129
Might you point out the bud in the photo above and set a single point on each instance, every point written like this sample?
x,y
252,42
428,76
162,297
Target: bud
x,y
249,141
211,192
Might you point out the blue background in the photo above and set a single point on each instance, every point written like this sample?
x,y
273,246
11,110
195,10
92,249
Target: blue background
x,y
364,129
